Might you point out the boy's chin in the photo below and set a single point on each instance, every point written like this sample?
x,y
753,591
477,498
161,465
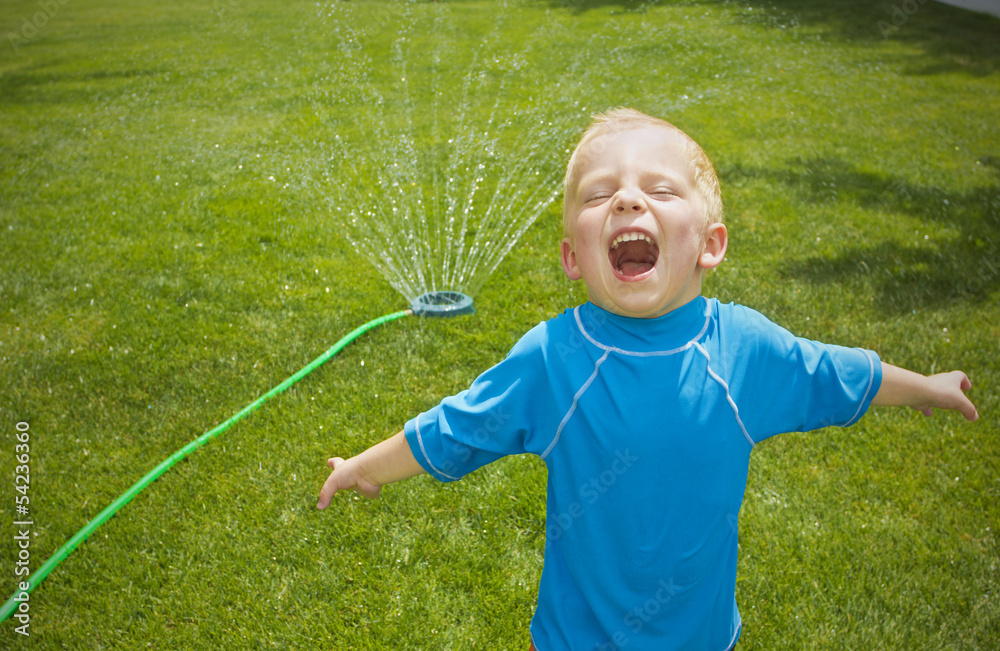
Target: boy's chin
x,y
643,301
634,306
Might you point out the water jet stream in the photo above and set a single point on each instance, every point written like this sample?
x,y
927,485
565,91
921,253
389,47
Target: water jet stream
x,y
452,160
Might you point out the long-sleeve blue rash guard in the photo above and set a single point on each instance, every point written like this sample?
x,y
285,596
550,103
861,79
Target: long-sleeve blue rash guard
x,y
646,427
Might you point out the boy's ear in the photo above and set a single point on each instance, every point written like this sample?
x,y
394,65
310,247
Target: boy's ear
x,y
568,256
714,251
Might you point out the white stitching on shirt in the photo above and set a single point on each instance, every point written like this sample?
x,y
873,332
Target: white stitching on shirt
x,y
656,353
420,441
729,397
871,381
572,408
611,349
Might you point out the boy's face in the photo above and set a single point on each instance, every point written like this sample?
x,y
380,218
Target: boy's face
x,y
635,224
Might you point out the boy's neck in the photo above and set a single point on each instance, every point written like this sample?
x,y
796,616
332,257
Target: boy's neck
x,y
673,309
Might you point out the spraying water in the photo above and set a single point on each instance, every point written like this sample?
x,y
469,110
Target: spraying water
x,y
464,137
455,161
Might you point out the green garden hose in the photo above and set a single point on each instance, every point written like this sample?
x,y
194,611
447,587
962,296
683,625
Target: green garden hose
x,y
35,579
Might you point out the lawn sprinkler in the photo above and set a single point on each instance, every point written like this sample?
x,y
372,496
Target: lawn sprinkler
x,y
442,303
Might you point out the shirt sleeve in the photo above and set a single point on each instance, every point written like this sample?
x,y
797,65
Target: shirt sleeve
x,y
792,384
489,420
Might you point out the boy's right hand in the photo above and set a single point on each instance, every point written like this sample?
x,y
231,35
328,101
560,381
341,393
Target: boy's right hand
x,y
345,477
389,461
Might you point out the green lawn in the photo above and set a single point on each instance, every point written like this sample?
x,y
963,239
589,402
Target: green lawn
x,y
174,238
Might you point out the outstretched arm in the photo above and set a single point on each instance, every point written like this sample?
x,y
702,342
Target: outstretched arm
x,y
902,388
389,461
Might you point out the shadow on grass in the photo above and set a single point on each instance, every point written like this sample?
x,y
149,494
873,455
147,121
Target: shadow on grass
x,y
951,39
580,6
29,84
928,273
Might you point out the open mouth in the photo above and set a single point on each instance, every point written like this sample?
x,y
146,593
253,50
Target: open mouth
x,y
633,254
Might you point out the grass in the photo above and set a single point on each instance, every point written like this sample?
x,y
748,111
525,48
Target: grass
x,y
155,280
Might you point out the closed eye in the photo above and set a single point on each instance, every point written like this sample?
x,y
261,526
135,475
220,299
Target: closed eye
x,y
662,193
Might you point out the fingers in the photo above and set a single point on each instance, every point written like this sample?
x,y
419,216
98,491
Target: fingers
x,y
331,486
969,410
948,392
327,492
345,479
965,405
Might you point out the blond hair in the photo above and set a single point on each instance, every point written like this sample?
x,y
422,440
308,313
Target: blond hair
x,y
610,123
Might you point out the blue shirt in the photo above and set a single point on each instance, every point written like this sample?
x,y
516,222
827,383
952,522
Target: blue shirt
x,y
646,428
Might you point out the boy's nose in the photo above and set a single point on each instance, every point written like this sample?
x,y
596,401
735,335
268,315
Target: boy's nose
x,y
628,201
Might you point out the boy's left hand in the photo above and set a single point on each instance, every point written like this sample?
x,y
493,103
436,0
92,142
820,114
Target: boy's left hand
x,y
947,391
903,388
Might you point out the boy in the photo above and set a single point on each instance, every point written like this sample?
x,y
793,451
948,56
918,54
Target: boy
x,y
644,403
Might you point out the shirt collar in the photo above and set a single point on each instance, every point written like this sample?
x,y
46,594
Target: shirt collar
x,y
670,333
